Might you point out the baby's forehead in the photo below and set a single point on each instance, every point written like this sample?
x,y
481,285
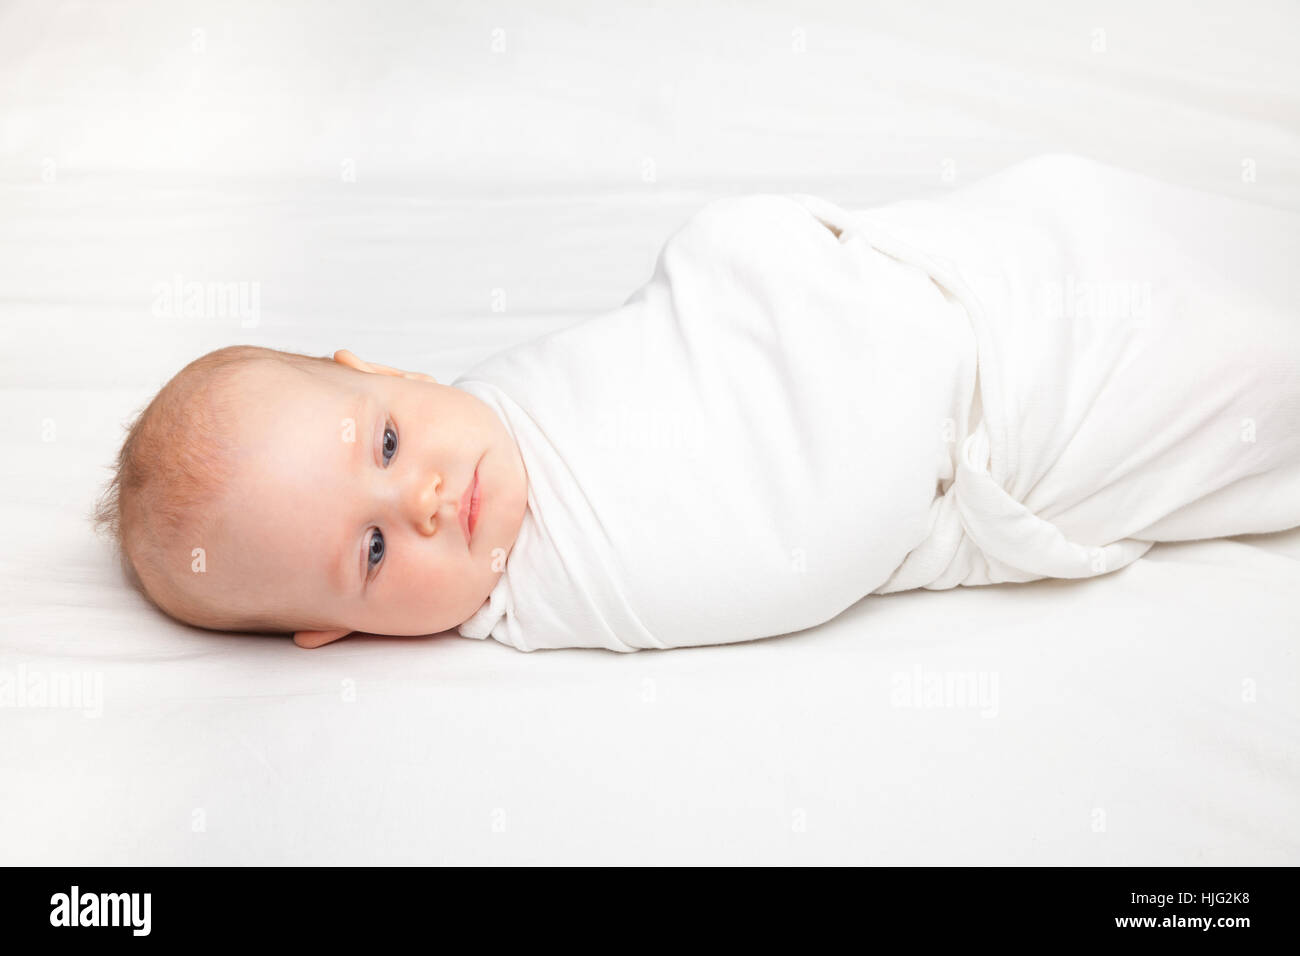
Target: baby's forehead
x,y
278,413
275,371
268,384
294,463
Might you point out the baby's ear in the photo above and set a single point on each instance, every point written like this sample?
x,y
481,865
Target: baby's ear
x,y
344,357
317,638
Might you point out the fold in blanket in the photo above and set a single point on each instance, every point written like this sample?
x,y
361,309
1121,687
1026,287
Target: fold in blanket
x,y
1038,375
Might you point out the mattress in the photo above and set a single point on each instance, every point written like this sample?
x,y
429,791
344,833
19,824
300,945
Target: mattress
x,y
433,188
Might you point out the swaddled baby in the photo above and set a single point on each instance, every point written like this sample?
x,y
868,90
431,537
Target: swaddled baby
x,y
1037,376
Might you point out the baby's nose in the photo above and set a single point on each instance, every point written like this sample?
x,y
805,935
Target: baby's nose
x,y
432,503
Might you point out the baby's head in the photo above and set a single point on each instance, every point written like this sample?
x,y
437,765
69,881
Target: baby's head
x,y
269,491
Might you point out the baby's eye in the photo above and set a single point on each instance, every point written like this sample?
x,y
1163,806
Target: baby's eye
x,y
390,444
375,551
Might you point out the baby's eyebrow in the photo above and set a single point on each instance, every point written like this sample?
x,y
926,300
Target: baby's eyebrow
x,y
355,440
357,419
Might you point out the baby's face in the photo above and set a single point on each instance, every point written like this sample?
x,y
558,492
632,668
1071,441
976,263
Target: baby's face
x,y
351,502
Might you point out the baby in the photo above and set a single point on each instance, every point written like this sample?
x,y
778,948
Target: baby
x,y
1038,375
268,491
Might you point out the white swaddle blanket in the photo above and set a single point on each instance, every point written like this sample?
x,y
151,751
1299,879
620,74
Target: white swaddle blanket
x,y
1038,375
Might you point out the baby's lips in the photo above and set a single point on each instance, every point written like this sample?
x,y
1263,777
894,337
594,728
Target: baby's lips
x,y
474,504
467,505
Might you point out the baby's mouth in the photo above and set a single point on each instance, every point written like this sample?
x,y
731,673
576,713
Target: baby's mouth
x,y
473,504
469,503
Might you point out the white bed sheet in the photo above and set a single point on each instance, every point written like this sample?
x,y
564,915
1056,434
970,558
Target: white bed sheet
x,y
1150,716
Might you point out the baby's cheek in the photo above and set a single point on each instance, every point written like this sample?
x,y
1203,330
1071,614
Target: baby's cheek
x,y
430,594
